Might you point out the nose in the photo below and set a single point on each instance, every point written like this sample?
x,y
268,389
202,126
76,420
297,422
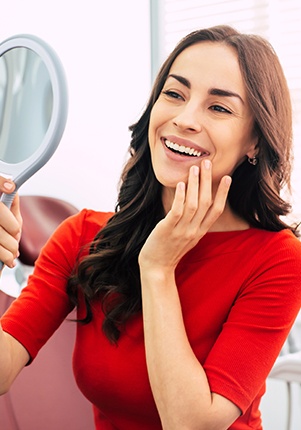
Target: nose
x,y
189,119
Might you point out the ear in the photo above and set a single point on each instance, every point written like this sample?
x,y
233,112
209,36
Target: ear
x,y
253,148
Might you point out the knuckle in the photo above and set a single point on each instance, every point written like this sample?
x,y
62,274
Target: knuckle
x,y
206,202
16,231
191,206
175,216
6,258
218,209
191,209
190,234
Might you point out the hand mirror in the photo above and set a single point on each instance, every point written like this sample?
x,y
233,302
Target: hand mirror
x,y
33,107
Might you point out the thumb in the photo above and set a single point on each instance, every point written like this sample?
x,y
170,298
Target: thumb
x,y
6,185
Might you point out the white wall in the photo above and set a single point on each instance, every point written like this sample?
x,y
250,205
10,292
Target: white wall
x,y
105,49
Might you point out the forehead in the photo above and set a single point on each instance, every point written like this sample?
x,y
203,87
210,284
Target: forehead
x,y
210,63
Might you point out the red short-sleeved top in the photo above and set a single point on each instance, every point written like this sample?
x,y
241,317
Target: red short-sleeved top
x,y
240,293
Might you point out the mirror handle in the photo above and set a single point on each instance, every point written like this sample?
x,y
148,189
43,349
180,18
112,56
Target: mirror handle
x,y
7,199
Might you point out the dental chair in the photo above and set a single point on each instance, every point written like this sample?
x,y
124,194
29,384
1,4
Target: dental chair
x,y
287,368
44,396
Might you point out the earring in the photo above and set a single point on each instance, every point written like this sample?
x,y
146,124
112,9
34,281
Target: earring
x,y
253,160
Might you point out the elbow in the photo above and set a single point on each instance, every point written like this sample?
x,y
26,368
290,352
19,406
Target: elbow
x,y
195,427
199,425
198,422
5,384
4,388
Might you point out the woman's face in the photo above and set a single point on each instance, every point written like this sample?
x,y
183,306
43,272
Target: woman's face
x,y
202,112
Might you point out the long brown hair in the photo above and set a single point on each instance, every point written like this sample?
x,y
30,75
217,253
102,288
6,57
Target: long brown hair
x,y
110,273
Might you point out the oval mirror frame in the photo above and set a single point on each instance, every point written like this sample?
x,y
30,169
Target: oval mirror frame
x,y
23,170
19,172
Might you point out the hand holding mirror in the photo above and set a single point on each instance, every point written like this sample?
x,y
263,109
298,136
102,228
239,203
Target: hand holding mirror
x,y
33,108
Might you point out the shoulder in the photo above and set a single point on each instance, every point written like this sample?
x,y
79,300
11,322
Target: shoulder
x,y
277,251
276,265
282,243
78,230
89,219
255,255
86,221
263,242
251,242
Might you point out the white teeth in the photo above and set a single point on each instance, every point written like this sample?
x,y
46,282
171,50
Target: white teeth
x,y
183,149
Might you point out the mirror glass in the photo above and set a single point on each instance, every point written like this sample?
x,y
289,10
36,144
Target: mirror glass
x,y
26,103
33,107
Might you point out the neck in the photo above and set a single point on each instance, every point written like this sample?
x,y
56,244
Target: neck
x,y
229,221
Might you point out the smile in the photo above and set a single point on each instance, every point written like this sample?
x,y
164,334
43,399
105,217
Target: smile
x,y
184,150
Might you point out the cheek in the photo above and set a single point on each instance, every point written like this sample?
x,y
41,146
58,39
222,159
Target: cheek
x,y
160,113
151,135
232,143
231,150
154,125
152,121
245,136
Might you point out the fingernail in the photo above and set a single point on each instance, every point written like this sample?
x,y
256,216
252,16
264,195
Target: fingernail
x,y
207,164
195,170
228,180
181,186
8,186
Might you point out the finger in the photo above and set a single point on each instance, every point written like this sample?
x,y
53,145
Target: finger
x,y
205,192
192,194
177,208
6,185
8,220
9,248
218,204
10,233
205,199
221,195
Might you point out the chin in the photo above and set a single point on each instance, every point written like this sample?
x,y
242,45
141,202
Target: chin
x,y
170,182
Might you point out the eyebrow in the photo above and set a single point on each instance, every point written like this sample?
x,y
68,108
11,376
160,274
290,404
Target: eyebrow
x,y
212,91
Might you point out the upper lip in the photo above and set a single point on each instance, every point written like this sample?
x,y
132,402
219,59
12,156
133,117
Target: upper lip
x,y
180,141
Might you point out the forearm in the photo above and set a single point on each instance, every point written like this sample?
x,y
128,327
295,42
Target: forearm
x,y
4,363
178,381
13,357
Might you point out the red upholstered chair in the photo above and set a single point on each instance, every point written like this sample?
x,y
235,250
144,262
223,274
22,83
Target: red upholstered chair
x,y
44,395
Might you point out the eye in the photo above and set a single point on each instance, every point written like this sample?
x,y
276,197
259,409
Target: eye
x,y
219,108
172,94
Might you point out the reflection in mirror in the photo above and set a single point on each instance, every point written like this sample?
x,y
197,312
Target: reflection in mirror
x,y
26,102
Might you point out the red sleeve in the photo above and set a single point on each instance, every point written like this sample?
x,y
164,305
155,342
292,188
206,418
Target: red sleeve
x,y
43,304
258,323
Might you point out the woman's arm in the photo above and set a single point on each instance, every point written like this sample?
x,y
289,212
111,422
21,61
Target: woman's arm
x,y
13,356
10,225
179,383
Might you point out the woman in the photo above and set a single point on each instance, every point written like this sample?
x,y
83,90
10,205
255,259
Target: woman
x,y
187,293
